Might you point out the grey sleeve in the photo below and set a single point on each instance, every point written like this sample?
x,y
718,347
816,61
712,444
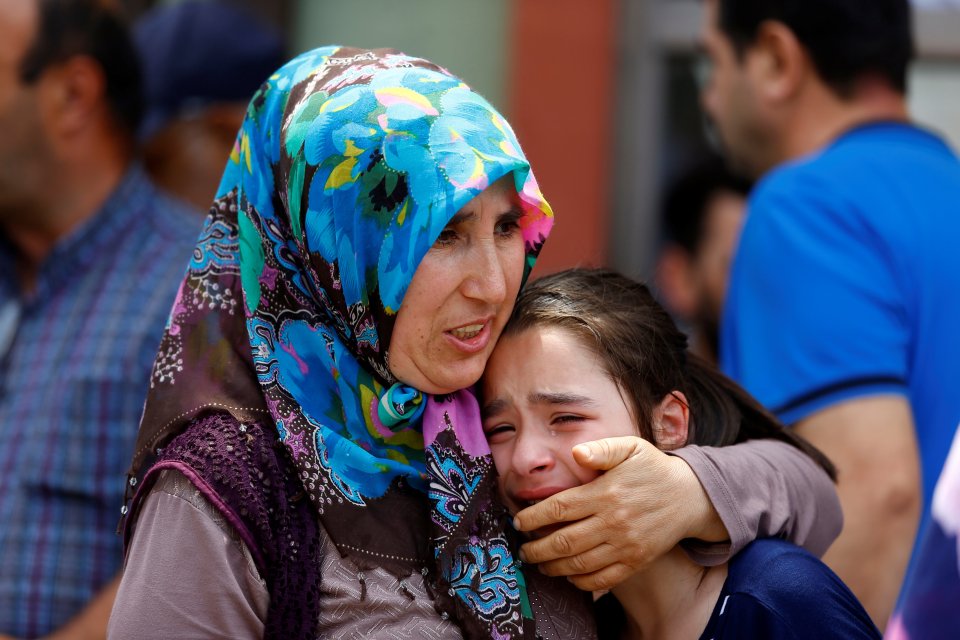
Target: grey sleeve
x,y
187,573
764,488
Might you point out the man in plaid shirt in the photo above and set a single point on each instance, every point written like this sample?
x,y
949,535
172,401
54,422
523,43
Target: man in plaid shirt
x,y
90,257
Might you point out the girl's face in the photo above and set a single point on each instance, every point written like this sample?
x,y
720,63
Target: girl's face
x,y
461,295
544,393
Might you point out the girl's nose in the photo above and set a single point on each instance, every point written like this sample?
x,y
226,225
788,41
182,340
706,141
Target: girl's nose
x,y
533,453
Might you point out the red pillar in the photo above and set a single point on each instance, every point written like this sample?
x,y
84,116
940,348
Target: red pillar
x,y
561,94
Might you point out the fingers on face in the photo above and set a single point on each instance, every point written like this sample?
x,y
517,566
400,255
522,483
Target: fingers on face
x,y
607,453
602,580
591,561
572,539
565,506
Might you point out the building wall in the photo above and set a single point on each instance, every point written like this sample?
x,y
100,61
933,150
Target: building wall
x,y
468,37
561,93
548,65
591,90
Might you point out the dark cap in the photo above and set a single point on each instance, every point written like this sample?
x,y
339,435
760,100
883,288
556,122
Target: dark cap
x,y
201,52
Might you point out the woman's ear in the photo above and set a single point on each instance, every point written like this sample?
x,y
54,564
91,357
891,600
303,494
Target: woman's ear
x,y
670,421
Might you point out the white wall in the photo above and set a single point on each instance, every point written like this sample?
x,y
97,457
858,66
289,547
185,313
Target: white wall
x,y
935,96
468,37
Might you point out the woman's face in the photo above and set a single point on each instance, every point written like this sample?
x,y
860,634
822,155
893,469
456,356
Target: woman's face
x,y
461,295
544,393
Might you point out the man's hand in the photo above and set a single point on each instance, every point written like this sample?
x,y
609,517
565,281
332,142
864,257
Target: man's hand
x,y
640,509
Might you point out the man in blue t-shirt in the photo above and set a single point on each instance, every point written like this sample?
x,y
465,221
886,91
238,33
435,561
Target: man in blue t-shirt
x,y
843,304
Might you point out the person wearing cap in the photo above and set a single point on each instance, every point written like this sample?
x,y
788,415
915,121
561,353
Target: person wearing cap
x,y
198,78
90,258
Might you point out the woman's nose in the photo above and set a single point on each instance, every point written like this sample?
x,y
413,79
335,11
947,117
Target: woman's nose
x,y
487,280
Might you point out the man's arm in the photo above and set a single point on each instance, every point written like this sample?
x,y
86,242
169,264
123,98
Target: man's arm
x,y
872,442
91,622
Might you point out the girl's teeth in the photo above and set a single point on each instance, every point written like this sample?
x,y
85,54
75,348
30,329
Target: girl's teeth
x,y
470,331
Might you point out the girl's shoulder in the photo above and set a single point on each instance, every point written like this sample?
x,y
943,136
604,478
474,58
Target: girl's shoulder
x,y
764,563
775,589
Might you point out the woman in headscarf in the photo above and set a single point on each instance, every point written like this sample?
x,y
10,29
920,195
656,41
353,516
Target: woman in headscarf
x,y
346,174
311,460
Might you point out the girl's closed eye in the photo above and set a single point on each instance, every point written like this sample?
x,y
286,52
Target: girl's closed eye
x,y
499,432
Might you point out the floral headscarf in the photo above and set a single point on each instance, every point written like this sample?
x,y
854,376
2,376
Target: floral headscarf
x,y
348,166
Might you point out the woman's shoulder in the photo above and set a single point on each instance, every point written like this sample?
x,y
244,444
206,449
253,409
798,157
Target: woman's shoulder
x,y
244,472
241,468
779,590
176,521
219,434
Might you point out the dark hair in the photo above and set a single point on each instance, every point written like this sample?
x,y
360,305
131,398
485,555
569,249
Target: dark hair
x,y
69,28
646,355
845,38
686,200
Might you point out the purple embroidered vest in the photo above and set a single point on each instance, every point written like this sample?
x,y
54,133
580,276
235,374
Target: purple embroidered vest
x,y
243,470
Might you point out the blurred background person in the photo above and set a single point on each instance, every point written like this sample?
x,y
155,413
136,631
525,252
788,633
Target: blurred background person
x,y
202,60
90,257
703,213
636,105
842,308
928,609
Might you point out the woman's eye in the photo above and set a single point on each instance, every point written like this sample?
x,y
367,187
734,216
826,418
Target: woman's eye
x,y
507,228
446,237
567,418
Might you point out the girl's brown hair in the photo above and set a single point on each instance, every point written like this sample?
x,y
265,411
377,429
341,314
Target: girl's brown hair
x,y
646,355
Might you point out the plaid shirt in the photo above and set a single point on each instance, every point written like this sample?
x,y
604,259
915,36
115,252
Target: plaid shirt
x,y
75,360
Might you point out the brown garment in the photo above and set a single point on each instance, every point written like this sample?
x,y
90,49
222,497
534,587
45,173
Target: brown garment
x,y
230,600
208,587
760,488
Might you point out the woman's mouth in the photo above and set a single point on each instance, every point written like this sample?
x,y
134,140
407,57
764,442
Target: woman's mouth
x,y
472,337
467,332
